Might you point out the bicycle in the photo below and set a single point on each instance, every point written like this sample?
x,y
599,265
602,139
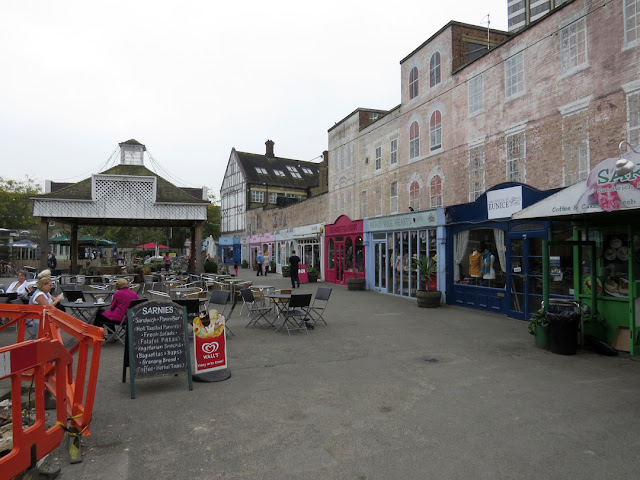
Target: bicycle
x,y
7,269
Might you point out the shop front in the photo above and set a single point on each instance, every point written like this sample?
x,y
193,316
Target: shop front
x,y
344,250
263,243
598,251
229,250
284,246
308,241
494,263
395,244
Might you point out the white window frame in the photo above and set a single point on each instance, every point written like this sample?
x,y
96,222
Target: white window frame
x,y
279,173
307,170
414,200
435,69
573,47
378,158
435,133
257,196
476,95
631,20
633,118
393,197
393,147
414,144
413,84
516,165
514,86
476,171
273,198
436,201
261,171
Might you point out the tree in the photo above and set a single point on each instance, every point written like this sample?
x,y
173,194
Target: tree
x,y
16,207
212,225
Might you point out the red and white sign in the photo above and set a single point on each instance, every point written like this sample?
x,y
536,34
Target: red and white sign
x,y
302,273
210,344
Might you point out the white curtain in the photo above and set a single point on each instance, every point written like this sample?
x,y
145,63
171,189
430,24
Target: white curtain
x,y
460,250
498,236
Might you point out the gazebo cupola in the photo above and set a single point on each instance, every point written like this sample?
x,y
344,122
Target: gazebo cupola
x,y
132,152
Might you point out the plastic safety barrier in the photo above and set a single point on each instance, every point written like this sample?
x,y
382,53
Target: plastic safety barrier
x,y
75,394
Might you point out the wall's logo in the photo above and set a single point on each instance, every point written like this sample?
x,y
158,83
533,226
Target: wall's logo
x,y
210,347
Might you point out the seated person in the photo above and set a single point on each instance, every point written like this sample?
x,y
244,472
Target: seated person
x,y
119,305
21,287
42,295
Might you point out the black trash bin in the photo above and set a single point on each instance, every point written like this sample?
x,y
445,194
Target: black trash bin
x,y
563,332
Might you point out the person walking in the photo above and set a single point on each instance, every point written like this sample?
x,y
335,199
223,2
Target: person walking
x,y
259,262
52,262
235,267
294,262
167,262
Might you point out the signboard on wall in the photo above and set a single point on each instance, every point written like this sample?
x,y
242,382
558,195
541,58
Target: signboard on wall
x,y
504,203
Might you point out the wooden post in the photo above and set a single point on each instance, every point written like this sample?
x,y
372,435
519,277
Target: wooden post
x,y
44,242
73,267
192,257
197,246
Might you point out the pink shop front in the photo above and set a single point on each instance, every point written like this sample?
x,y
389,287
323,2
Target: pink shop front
x,y
263,243
344,250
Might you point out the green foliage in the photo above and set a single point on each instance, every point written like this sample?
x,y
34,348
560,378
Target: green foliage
x,y
312,270
428,268
244,264
210,267
212,224
538,318
15,204
286,268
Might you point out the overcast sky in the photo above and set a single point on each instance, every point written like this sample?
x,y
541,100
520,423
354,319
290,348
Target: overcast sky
x,y
193,79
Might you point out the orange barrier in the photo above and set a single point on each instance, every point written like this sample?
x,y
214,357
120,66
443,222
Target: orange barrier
x,y
75,394
35,441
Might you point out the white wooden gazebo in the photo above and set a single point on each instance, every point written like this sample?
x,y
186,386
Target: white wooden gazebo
x,y
127,194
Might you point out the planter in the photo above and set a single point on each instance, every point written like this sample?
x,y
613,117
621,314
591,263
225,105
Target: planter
x,y
355,283
541,336
313,278
429,298
286,273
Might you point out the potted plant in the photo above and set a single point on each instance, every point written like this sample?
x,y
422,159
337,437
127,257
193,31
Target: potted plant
x,y
539,328
312,274
286,270
244,264
428,270
272,266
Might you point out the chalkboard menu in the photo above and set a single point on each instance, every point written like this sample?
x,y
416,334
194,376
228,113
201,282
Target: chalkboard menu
x,y
158,341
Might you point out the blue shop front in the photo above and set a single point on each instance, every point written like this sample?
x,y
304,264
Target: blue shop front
x,y
230,250
495,263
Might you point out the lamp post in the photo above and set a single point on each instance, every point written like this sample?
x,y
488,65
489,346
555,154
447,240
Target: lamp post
x,y
624,166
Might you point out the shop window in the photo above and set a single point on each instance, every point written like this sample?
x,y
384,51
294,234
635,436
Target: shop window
x,y
480,259
348,255
359,254
331,255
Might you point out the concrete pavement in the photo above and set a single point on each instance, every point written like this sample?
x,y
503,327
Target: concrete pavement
x,y
385,391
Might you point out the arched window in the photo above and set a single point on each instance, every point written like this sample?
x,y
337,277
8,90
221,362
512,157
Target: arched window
x,y
414,140
435,131
413,83
414,195
434,69
436,191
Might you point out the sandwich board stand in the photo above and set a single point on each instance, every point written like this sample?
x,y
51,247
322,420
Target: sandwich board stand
x,y
210,347
157,342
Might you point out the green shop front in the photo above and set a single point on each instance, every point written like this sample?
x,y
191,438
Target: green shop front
x,y
596,261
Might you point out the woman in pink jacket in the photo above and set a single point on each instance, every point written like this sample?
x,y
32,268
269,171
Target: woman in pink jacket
x,y
119,304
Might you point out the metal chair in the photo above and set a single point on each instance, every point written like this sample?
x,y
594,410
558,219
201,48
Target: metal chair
x,y
296,314
316,310
159,296
219,301
256,312
117,331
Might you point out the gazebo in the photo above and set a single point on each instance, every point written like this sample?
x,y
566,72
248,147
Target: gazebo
x,y
128,194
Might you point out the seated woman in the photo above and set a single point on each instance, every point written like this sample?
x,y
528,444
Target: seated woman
x,y
42,295
21,287
119,304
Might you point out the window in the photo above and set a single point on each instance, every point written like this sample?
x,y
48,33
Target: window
x,y
573,45
378,203
435,131
631,22
294,173
414,195
393,204
307,170
413,83
633,115
476,172
378,158
516,157
261,170
436,191
257,197
394,152
476,95
273,198
434,69
575,147
279,173
414,140
363,204
514,75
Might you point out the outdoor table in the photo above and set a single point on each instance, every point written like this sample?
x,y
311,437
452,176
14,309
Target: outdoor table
x,y
85,311
261,289
99,293
281,303
178,292
191,305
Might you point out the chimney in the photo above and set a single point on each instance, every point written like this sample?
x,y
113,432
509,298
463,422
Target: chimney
x,y
132,152
269,144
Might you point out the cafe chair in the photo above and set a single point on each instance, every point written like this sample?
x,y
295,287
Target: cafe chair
x,y
320,302
296,313
219,301
158,296
117,331
74,295
256,312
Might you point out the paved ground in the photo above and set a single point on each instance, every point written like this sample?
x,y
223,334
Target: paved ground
x,y
385,391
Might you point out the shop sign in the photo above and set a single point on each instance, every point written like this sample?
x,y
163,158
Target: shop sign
x,y
504,203
404,221
209,342
302,273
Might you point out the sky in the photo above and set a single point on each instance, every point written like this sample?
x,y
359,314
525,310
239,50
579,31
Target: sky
x,y
192,79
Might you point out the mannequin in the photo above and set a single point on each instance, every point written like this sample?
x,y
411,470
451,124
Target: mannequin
x,y
488,273
474,263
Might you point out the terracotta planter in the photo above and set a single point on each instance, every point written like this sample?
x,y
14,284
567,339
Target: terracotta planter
x,y
355,283
429,299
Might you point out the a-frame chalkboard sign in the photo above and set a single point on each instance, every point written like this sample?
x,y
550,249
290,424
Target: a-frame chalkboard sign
x,y
157,341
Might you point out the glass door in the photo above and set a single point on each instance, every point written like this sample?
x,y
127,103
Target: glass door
x,y
380,274
525,276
